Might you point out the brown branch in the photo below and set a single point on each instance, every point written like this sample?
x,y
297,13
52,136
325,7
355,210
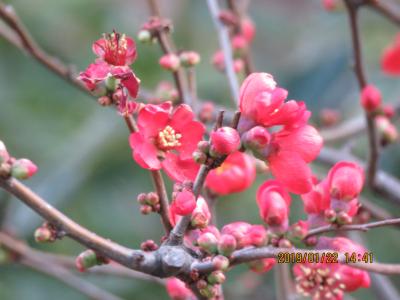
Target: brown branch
x,y
375,210
352,9
356,227
37,262
225,45
385,10
159,184
134,259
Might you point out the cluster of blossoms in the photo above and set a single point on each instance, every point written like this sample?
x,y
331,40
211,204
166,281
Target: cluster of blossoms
x,y
271,129
21,168
241,37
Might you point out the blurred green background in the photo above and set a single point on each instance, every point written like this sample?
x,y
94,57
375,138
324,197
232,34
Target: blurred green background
x,y
82,151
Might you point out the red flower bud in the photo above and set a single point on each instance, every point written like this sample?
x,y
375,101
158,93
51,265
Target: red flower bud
x,y
330,215
390,59
23,169
206,113
257,236
199,157
44,234
389,111
146,209
189,58
345,180
170,62
185,203
248,29
148,245
142,198
201,215
226,244
220,262
208,242
178,290
329,117
86,260
257,139
386,129
330,5
343,218
273,202
298,230
152,198
262,265
370,98
239,231
225,140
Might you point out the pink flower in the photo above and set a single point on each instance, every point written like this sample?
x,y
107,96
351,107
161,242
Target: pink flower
x,y
170,62
248,29
390,60
370,98
184,203
225,140
273,203
318,199
262,265
162,130
115,49
178,290
345,180
23,169
96,75
236,174
239,231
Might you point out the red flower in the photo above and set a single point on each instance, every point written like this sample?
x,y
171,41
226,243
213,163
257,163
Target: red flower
x,y
318,199
180,169
225,140
163,129
345,180
236,174
184,203
178,290
96,74
390,61
370,98
273,203
115,49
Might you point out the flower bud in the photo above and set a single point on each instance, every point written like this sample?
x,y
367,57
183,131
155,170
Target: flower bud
x,y
146,209
386,129
208,242
86,260
298,230
284,243
330,215
144,36
201,215
225,140
329,117
199,157
216,277
248,29
148,245
170,62
370,98
257,236
330,5
185,203
389,111
201,284
152,198
44,234
343,218
257,139
262,265
177,289
142,198
239,45
4,156
220,262
23,169
189,58
345,180
209,292
273,203
226,244
311,241
203,146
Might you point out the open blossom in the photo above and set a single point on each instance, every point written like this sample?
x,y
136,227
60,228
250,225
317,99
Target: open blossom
x,y
318,199
236,174
115,49
288,150
273,203
345,180
178,290
163,130
390,60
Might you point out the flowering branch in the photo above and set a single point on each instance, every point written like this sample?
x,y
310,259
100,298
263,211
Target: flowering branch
x,y
223,36
357,227
352,9
36,261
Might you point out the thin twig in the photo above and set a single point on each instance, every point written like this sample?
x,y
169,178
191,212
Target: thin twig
x,y
225,45
385,10
357,227
159,184
373,158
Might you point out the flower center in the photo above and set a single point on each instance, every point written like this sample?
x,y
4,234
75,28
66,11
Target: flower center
x,y
116,48
320,283
168,139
